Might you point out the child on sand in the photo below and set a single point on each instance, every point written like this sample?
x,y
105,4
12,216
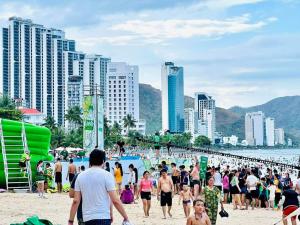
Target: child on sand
x,y
127,195
200,217
186,197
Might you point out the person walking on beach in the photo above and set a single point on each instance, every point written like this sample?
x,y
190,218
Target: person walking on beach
x,y
186,197
71,171
175,177
40,179
196,179
251,183
48,176
145,190
97,195
58,175
212,196
71,195
118,172
225,183
289,202
200,217
236,190
165,190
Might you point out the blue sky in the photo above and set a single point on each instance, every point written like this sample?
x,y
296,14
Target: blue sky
x,y
242,52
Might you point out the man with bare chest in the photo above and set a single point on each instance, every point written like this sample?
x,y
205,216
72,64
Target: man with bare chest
x,y
165,190
71,171
58,175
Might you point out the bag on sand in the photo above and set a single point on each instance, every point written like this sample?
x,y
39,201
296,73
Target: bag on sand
x,y
34,220
223,213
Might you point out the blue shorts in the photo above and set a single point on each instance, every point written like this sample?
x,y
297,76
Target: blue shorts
x,y
98,222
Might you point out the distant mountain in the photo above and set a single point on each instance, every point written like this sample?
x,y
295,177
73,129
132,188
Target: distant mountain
x,y
283,109
228,121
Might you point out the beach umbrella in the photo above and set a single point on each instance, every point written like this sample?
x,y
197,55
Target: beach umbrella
x,y
59,149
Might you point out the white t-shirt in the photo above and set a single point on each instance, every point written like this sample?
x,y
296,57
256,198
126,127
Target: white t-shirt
x,y
218,179
94,185
131,177
251,182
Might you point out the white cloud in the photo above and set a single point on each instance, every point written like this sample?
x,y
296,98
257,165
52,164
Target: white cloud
x,y
161,30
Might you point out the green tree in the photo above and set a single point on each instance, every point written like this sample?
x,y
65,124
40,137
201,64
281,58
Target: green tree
x,y
8,109
73,139
74,117
50,123
57,137
201,141
128,122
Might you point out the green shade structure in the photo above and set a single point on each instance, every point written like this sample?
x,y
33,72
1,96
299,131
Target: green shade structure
x,y
38,143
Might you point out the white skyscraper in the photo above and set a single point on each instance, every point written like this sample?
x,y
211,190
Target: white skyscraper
x,y
254,128
279,136
205,115
270,131
33,66
122,92
189,120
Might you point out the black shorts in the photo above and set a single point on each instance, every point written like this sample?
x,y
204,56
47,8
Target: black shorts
x,y
191,184
175,179
58,177
22,164
71,177
248,196
196,182
146,195
234,190
262,197
225,191
165,198
254,193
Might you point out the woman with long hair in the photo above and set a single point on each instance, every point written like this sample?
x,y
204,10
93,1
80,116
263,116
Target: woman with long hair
x,y
118,172
40,179
236,190
145,191
225,183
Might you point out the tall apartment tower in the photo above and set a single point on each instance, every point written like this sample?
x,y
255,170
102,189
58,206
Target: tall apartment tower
x,y
270,131
254,128
172,91
189,120
279,136
122,98
205,111
4,61
36,65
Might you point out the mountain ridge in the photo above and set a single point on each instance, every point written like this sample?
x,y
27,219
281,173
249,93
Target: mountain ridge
x,y
228,121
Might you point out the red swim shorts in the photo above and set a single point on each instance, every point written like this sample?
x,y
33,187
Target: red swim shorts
x,y
288,210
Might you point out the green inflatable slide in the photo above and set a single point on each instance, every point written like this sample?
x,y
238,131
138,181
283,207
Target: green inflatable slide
x,y
38,142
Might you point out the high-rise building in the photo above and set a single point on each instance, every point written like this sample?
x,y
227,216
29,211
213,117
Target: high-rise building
x,y
172,92
279,136
189,120
122,92
205,112
254,128
36,72
4,60
270,131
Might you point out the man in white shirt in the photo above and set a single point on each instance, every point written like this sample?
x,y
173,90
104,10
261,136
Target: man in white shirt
x,y
251,182
218,179
96,188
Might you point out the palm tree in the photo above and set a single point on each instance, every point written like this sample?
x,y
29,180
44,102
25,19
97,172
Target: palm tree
x,y
8,109
74,117
58,137
128,122
50,123
116,129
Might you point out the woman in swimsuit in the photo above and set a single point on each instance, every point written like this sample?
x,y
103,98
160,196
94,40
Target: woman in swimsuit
x,y
186,197
200,217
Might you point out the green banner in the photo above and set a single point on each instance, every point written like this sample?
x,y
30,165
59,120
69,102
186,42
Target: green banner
x,y
203,166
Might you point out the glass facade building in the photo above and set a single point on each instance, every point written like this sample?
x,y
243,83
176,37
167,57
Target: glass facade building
x,y
172,98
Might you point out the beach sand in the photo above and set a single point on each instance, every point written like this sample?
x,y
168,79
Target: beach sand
x,y
16,207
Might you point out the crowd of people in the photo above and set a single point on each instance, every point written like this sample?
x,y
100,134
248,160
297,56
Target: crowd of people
x,y
244,187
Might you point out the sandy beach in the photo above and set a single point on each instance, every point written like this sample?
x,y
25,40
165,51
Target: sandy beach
x,y
17,207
